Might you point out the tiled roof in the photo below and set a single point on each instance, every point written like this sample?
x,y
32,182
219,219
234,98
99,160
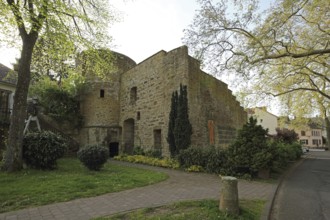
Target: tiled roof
x,y
4,77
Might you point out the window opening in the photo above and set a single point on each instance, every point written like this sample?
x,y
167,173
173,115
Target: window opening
x,y
102,93
133,95
157,138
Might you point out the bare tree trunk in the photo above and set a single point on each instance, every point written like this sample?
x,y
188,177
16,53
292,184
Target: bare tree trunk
x,y
13,160
327,129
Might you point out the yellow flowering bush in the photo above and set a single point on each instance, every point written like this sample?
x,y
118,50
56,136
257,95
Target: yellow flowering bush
x,y
195,168
165,162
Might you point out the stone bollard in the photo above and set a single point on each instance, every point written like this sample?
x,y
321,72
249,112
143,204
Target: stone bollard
x,y
229,195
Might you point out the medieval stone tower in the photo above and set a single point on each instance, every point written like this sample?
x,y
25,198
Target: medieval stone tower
x,y
132,108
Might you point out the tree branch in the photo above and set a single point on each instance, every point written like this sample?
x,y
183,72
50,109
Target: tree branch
x,y
18,17
293,55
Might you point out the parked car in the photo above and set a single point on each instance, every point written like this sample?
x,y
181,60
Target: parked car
x,y
305,149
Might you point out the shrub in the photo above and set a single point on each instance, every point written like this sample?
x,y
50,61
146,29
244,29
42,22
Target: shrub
x,y
286,135
156,153
138,151
285,153
193,156
211,159
250,151
60,105
165,162
93,156
217,161
42,149
195,168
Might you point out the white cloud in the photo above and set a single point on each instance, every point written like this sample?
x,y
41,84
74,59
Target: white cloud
x,y
150,26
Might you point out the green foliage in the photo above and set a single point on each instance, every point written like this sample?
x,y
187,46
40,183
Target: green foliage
x,y
285,153
156,153
217,161
42,149
93,156
138,151
58,103
165,162
270,46
193,210
71,180
286,135
210,159
171,124
180,129
195,168
197,156
250,149
96,62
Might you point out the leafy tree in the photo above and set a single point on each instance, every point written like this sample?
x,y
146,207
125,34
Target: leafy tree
x,y
182,129
171,123
82,22
179,127
283,52
237,35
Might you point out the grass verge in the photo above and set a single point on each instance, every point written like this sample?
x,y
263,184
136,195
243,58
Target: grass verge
x,y
193,210
71,180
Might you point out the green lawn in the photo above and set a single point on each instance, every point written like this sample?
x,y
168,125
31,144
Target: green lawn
x,y
193,210
70,181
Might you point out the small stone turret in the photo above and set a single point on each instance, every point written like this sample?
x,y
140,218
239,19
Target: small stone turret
x,y
100,100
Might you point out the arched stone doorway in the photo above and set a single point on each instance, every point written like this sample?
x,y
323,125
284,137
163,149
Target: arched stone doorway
x,y
129,136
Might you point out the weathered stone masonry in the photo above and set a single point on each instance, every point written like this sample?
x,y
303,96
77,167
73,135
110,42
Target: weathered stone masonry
x,y
133,108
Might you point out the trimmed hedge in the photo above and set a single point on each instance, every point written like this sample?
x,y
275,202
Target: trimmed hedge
x,y
93,156
42,149
211,159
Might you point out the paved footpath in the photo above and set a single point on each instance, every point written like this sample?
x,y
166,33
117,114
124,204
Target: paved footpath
x,y
178,187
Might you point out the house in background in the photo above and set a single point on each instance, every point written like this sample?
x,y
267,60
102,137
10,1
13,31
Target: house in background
x,y
310,130
7,91
264,118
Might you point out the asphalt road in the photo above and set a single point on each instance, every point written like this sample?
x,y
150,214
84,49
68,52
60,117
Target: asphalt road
x,y
305,192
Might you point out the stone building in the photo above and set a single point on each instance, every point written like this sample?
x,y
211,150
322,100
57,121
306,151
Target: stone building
x,y
132,108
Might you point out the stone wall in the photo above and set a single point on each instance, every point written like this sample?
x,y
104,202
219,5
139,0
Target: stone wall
x,y
215,113
134,107
100,104
154,80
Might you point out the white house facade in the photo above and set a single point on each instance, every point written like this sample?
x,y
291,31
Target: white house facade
x,y
264,118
